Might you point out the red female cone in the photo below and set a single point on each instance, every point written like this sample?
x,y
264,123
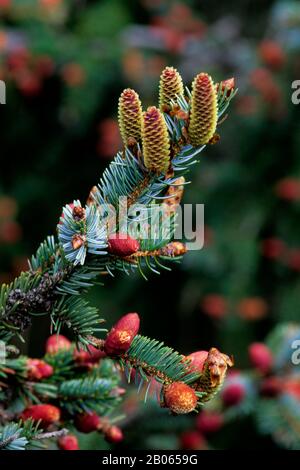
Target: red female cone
x,y
48,414
122,334
69,442
88,422
180,398
121,244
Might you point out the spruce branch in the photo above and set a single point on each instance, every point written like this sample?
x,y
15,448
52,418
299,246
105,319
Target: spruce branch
x,y
63,269
151,358
6,440
18,436
147,178
52,434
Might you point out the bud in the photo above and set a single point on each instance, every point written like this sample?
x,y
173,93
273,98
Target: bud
x,y
273,248
180,398
174,196
78,241
293,259
130,116
156,146
192,440
272,54
173,249
69,442
216,366
48,414
228,84
214,305
57,343
88,422
38,369
292,387
288,189
252,308
204,110
197,359
271,387
120,337
170,85
213,373
209,421
88,358
233,394
260,357
114,434
121,244
78,213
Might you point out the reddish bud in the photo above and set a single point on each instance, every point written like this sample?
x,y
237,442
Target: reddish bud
x,y
38,369
121,244
73,74
121,335
48,414
114,434
180,398
214,305
288,189
10,232
88,422
192,440
78,241
252,308
271,387
57,343
293,259
233,394
89,357
28,83
197,361
260,357
8,207
173,249
273,248
229,84
69,442
292,387
5,3
272,54
209,422
78,213
44,66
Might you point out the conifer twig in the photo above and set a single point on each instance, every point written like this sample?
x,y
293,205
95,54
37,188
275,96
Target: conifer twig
x,y
52,434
